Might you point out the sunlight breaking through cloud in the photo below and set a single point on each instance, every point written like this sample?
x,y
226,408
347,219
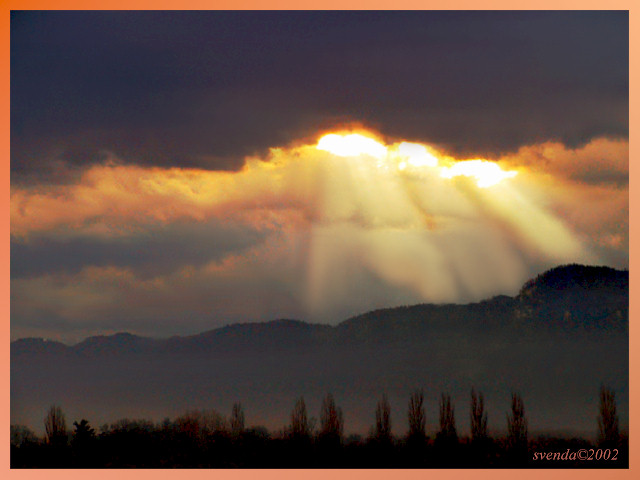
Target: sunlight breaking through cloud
x,y
336,228
413,155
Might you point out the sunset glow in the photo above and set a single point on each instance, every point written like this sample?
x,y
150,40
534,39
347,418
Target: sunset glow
x,y
416,155
351,145
319,220
486,173
413,156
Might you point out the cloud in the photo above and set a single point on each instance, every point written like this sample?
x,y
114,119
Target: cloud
x,y
206,89
601,161
156,251
115,199
306,233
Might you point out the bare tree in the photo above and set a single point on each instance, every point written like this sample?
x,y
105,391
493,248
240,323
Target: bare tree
x,y
237,419
609,433
447,420
212,421
300,426
190,423
383,420
416,416
517,425
22,435
55,426
331,421
478,417
201,423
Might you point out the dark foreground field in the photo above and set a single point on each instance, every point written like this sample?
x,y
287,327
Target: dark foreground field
x,y
140,447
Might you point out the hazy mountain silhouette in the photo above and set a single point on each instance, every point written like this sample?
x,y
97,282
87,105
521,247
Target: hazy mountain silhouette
x,y
556,341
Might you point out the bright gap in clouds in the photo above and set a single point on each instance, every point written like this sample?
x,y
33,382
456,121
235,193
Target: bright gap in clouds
x,y
487,174
351,145
407,155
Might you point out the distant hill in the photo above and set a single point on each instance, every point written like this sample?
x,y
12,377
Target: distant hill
x,y
557,340
577,296
574,297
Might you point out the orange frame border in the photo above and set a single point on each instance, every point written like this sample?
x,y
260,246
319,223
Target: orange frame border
x,y
634,200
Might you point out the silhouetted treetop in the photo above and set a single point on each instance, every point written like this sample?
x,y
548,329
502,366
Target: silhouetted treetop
x,y
478,417
517,425
331,420
55,426
301,426
382,430
21,434
608,430
416,417
237,419
447,419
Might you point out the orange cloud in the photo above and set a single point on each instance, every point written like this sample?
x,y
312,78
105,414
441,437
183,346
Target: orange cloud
x,y
602,160
114,199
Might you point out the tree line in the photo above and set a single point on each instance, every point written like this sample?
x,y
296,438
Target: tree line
x,y
207,439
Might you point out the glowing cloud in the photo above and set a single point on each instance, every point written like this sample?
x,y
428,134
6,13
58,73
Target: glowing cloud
x,y
346,225
416,155
487,174
351,145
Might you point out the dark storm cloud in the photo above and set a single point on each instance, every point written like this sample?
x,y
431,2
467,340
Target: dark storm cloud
x,y
157,251
207,88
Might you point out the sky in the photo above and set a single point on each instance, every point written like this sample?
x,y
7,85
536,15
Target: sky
x,y
173,172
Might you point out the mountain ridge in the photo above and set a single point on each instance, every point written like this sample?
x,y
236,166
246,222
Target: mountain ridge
x,y
569,281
